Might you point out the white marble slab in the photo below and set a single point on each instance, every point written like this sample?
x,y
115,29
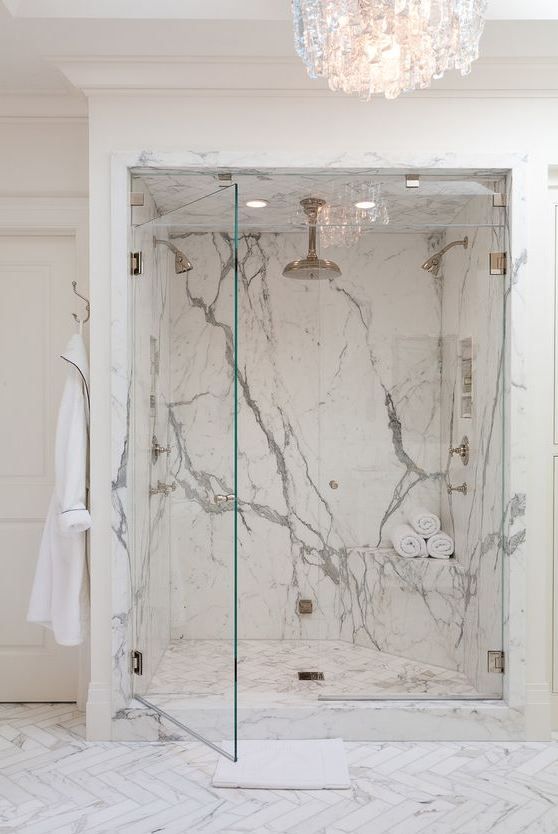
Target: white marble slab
x,y
515,477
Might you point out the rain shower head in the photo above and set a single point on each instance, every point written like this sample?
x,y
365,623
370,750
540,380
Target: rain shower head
x,y
181,262
434,262
311,267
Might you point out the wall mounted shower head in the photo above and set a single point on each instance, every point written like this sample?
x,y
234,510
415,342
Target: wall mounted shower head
x,y
181,262
434,262
311,267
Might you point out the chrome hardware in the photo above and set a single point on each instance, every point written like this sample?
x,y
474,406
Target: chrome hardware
x,y
434,262
462,450
499,200
496,661
222,499
462,489
162,489
87,306
136,263
157,450
498,263
137,198
334,484
137,662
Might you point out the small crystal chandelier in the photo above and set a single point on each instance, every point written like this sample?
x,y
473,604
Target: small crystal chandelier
x,y
366,47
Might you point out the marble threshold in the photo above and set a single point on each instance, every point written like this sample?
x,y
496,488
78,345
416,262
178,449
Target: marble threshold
x,y
194,685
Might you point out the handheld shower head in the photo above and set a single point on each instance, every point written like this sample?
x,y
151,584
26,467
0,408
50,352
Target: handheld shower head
x,y
311,267
181,262
434,263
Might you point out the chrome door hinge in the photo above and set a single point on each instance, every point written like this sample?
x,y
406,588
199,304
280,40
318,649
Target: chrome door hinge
x,y
499,200
496,661
137,662
137,198
136,263
498,263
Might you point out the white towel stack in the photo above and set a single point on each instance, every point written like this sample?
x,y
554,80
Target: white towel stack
x,y
422,536
423,521
407,542
440,546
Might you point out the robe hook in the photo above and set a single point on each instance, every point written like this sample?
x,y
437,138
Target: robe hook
x,y
87,305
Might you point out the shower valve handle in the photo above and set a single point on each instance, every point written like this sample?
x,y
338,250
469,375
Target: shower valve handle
x,y
462,450
162,489
462,488
157,449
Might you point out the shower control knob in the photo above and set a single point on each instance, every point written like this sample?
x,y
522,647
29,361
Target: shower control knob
x,y
162,489
462,450
157,449
462,488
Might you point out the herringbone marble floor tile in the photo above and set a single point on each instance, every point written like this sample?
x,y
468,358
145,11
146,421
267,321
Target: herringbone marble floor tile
x,y
53,782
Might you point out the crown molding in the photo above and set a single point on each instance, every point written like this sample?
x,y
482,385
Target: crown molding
x,y
214,75
28,106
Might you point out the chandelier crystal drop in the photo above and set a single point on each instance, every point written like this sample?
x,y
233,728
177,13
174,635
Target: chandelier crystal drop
x,y
341,219
370,47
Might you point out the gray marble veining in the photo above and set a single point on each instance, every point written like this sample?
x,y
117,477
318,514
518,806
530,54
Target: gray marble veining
x,y
338,381
512,531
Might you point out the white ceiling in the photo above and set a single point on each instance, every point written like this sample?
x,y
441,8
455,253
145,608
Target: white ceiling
x,y
38,36
229,9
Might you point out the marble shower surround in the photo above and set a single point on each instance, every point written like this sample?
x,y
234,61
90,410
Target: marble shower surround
x,y
339,381
508,721
338,364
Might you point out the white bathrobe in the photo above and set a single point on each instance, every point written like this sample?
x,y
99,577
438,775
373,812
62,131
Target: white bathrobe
x,y
59,599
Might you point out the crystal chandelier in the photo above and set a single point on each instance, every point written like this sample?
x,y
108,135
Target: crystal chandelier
x,y
366,47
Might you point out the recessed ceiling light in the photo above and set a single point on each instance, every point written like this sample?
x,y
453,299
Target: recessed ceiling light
x,y
365,204
256,203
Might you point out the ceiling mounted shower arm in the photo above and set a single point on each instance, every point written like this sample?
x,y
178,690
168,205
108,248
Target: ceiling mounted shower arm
x,y
311,267
311,207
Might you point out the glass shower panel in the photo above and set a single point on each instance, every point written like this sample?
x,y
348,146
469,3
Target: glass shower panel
x,y
411,366
185,478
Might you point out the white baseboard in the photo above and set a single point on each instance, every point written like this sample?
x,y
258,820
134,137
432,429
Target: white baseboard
x,y
538,712
98,713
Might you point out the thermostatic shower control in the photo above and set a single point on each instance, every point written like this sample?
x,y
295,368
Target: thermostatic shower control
x,y
462,450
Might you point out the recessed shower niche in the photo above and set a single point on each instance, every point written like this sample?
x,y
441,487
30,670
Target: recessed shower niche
x,y
309,389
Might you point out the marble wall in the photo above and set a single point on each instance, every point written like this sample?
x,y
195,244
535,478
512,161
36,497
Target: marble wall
x,y
485,719
337,381
150,381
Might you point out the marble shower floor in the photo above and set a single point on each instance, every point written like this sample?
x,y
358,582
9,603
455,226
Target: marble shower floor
x,y
198,671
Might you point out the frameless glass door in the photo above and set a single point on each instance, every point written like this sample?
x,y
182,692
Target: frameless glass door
x,y
184,482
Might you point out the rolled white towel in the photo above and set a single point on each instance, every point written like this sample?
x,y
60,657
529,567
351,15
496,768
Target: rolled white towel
x,y
440,546
407,542
424,522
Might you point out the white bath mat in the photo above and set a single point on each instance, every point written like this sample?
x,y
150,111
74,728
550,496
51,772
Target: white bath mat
x,y
310,765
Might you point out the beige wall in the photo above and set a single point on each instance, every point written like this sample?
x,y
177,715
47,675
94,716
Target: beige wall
x,y
41,157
